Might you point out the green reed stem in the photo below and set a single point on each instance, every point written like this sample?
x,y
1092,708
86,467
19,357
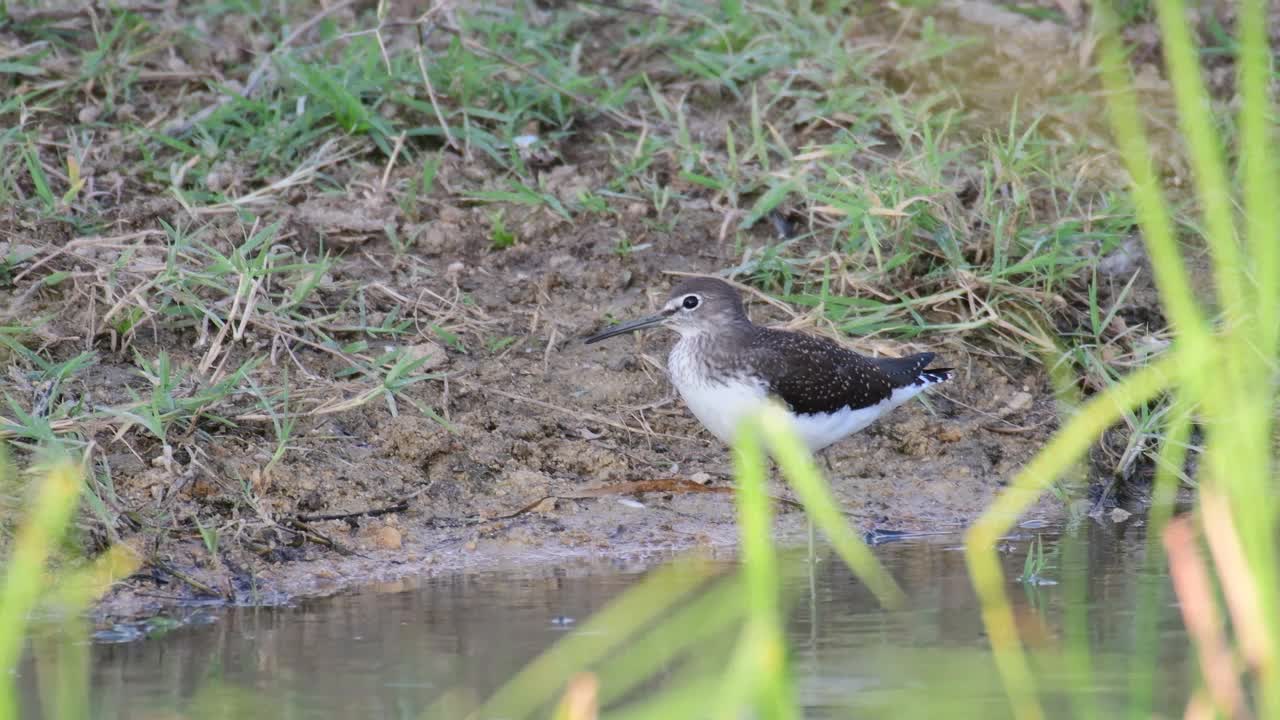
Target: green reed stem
x,y
49,517
1152,582
687,630
802,474
1258,170
1066,447
764,639
541,680
1209,168
1172,279
1075,574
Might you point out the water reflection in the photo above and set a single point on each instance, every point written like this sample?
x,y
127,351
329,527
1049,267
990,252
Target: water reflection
x,y
391,650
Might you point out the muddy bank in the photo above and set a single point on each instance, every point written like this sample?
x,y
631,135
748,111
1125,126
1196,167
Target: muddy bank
x,y
531,431
355,354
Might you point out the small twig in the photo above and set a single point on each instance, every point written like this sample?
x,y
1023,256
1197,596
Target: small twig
x,y
391,162
431,90
57,426
318,538
304,173
1015,429
88,241
671,486
328,408
168,569
161,596
215,348
464,314
399,506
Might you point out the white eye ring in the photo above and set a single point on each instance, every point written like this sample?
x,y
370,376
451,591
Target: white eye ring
x,y
690,302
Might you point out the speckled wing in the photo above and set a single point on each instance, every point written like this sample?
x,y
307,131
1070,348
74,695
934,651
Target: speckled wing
x,y
815,375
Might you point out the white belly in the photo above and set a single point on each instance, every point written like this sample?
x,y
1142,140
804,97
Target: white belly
x,y
820,430
720,406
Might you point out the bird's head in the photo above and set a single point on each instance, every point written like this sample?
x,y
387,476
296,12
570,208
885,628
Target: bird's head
x,y
697,305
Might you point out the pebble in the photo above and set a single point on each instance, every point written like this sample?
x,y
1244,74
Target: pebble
x,y
950,434
1019,401
453,215
433,355
388,538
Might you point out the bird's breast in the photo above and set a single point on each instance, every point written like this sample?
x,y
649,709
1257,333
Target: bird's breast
x,y
720,400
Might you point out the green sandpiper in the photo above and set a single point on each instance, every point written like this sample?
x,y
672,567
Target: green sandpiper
x,y
724,366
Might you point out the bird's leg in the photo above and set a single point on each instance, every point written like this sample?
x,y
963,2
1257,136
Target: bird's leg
x,y
812,531
869,531
826,459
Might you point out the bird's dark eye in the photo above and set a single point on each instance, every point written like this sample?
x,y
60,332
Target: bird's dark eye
x,y
690,302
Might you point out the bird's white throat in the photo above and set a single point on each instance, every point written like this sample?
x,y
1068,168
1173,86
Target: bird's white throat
x,y
719,403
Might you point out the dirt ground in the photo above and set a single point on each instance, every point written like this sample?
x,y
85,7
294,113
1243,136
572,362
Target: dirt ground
x,y
549,419
543,447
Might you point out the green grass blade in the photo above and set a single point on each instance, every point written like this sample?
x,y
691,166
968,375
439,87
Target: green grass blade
x,y
1067,446
49,517
1077,650
1170,271
1258,163
683,700
802,474
541,680
38,178
764,640
1151,585
1262,217
1212,186
685,631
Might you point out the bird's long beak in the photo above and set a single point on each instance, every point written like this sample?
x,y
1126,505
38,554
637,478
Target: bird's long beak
x,y
627,327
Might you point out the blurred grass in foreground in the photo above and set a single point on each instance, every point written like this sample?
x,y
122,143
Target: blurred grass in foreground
x,y
51,509
1220,372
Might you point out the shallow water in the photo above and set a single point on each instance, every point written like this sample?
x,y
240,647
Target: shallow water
x,y
391,650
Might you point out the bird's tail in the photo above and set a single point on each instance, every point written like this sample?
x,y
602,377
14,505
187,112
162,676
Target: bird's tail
x,y
935,375
911,371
